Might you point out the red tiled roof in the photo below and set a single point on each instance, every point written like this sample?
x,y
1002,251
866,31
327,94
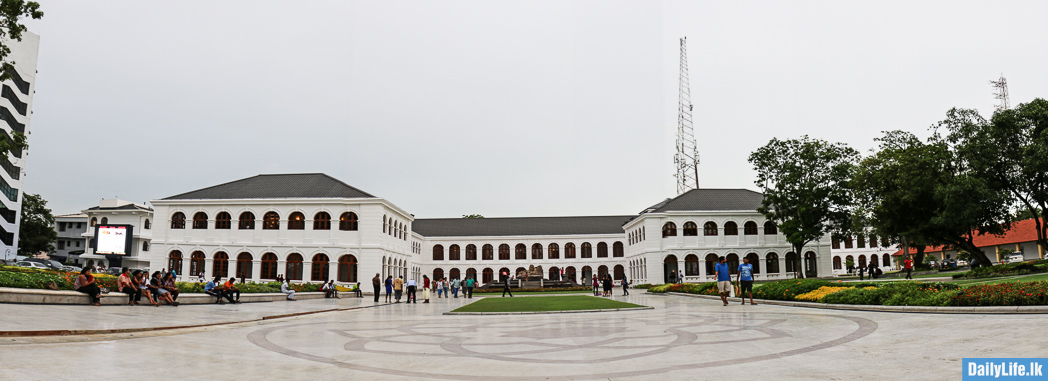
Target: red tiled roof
x,y
1021,232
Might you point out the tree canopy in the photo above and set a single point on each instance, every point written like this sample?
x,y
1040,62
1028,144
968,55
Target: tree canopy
x,y
37,232
805,186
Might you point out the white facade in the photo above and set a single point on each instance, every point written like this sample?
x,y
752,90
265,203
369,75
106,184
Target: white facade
x,y
862,250
668,242
16,105
120,212
71,242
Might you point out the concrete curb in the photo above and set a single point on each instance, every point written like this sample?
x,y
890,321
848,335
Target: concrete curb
x,y
68,297
152,329
551,312
874,308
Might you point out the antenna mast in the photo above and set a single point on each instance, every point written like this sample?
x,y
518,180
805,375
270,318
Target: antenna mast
x,y
687,157
1001,93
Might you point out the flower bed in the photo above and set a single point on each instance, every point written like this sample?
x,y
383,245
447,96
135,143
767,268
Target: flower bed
x,y
21,277
708,288
1003,294
1009,269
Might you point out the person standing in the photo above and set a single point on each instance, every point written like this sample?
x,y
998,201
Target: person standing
x,y
455,284
412,287
680,277
505,288
745,279
389,289
596,286
470,283
425,288
872,270
398,288
862,270
723,280
625,287
908,264
376,283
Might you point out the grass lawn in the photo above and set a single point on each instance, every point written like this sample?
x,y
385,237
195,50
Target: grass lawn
x,y
543,303
499,293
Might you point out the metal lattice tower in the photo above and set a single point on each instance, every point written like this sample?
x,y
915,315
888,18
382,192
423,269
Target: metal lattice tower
x,y
687,157
1001,93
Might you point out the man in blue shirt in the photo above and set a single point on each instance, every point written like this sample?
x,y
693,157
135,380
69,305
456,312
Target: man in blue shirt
x,y
746,280
214,288
723,280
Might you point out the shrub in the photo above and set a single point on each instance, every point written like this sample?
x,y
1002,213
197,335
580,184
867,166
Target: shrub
x,y
820,293
897,294
708,288
1002,270
499,290
788,289
1003,294
642,286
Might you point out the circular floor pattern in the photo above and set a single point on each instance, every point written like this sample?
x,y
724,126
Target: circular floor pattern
x,y
562,347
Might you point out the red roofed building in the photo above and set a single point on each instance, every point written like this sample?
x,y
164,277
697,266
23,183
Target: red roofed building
x,y
1021,238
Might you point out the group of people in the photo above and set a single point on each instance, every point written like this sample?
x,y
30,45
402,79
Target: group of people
x,y
397,288
160,287
744,277
223,290
608,285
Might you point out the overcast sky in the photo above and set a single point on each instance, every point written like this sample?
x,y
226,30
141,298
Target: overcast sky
x,y
493,107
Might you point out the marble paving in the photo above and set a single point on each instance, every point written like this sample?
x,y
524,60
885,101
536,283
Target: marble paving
x,y
682,338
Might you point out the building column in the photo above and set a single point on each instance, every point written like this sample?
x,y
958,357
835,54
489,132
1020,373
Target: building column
x,y
282,268
782,265
209,268
333,271
256,270
307,271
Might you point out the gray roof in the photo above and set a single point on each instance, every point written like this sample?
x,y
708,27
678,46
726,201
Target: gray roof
x,y
518,226
121,207
295,185
713,199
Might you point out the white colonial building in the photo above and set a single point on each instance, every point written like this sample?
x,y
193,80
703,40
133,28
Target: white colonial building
x,y
16,105
312,227
862,250
120,212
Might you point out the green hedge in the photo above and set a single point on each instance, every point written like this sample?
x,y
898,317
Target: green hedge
x,y
708,288
896,294
1008,269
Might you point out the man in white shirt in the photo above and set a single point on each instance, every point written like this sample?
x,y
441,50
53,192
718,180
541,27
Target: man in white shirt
x,y
286,289
412,287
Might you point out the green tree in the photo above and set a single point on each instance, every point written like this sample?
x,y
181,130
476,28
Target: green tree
x,y
11,28
1010,154
37,232
472,216
805,186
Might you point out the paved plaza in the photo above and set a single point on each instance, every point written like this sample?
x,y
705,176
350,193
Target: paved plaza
x,y
682,338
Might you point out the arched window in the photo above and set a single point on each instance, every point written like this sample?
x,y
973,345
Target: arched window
x,y
94,221
710,228
244,265
731,228
438,252
200,220
811,264
178,221
835,243
503,252
269,266
220,267
848,242
836,262
587,250
691,265
620,272
669,230
384,223
750,228
347,269
554,251
438,274
147,225
602,250
320,268
293,267
873,241
690,229
487,252
296,221
223,220
271,221
617,250
487,275
145,245
755,261
770,228
520,252
711,262
322,221
471,273
174,261
105,221
602,272
875,261
196,263
733,263
471,252
569,274
773,263
536,251
453,253
554,273
887,260
791,262
569,250
347,221
454,274
247,221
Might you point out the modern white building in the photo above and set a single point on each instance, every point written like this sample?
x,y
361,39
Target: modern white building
x,y
312,227
16,105
71,242
120,212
